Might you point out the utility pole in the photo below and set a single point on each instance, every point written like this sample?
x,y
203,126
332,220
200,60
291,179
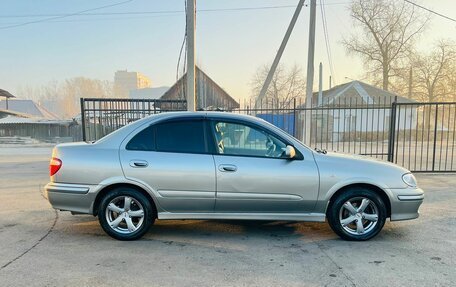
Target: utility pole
x,y
320,84
310,71
191,81
410,83
330,84
268,80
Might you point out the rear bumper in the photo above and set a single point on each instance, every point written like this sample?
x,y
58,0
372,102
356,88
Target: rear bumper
x,y
71,197
405,203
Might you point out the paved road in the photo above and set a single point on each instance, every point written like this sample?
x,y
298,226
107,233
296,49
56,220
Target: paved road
x,y
42,247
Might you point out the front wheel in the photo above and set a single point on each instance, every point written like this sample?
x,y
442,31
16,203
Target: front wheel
x,y
125,214
357,214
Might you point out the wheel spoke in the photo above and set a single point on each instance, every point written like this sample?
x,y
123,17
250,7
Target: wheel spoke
x,y
364,203
136,213
127,203
359,227
370,217
125,214
350,207
115,208
131,226
347,220
115,223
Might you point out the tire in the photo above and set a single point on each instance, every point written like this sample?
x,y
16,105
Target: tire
x,y
125,214
362,220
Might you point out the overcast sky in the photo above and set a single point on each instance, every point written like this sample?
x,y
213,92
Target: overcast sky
x,y
231,45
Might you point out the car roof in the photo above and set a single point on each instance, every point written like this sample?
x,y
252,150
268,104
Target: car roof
x,y
202,114
122,132
206,114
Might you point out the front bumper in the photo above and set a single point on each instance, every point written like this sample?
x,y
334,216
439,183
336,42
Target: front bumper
x,y
405,203
71,197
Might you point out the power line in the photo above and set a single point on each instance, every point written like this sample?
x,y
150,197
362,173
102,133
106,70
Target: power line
x,y
327,42
432,11
83,13
54,17
65,15
95,14
180,54
94,19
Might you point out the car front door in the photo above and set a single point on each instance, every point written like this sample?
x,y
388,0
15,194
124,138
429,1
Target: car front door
x,y
172,159
254,175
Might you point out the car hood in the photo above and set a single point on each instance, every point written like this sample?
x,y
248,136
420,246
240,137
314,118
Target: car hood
x,y
346,167
364,159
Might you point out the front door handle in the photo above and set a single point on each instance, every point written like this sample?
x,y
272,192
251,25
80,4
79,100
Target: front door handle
x,y
227,168
138,163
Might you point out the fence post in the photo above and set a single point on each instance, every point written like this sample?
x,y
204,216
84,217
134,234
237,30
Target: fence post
x,y
392,131
294,117
435,135
83,124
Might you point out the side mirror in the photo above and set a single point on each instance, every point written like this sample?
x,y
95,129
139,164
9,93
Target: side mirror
x,y
290,152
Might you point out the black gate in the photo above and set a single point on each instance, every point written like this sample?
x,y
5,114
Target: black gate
x,y
100,117
423,135
419,136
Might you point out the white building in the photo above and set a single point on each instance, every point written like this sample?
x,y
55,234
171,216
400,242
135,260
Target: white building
x,y
125,81
357,107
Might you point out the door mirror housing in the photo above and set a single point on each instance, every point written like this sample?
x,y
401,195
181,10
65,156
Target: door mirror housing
x,y
290,152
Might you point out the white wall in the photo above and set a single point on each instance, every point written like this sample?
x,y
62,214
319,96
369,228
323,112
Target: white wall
x,y
372,120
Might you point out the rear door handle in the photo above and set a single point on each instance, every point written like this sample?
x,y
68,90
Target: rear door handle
x,y
138,163
227,167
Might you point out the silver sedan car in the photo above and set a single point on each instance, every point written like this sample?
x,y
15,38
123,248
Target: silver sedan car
x,y
214,165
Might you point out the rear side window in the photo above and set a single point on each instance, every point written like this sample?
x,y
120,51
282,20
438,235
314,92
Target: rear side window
x,y
144,140
180,136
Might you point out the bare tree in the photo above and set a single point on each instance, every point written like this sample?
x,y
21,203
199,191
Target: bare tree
x,y
387,31
74,89
38,93
286,85
29,92
452,83
434,73
67,94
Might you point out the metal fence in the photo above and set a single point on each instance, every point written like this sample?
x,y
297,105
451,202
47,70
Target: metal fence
x,y
100,117
418,136
346,125
424,138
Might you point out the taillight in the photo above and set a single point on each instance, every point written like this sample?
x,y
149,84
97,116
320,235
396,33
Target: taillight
x,y
54,165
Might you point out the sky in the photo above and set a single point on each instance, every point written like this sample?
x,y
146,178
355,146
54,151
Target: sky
x,y
230,45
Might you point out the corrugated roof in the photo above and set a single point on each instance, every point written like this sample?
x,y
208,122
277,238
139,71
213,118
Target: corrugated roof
x,y
6,94
28,107
360,93
4,113
20,120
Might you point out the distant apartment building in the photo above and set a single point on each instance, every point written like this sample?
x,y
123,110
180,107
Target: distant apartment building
x,y
125,81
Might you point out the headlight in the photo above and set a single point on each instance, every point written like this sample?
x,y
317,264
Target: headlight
x,y
409,179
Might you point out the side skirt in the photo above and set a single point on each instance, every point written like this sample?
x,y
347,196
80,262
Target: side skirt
x,y
315,217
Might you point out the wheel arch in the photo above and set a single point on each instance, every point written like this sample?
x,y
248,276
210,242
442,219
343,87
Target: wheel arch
x,y
379,191
110,187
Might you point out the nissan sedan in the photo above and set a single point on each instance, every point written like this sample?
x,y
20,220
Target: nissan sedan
x,y
214,165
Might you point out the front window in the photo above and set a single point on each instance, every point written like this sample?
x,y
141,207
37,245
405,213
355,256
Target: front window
x,y
244,140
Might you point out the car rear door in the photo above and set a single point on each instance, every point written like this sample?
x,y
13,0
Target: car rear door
x,y
172,158
254,176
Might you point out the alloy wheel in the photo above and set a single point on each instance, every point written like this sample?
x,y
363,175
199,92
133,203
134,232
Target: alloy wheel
x,y
124,214
358,215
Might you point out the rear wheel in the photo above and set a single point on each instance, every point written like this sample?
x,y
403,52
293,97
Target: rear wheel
x,y
357,214
125,214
